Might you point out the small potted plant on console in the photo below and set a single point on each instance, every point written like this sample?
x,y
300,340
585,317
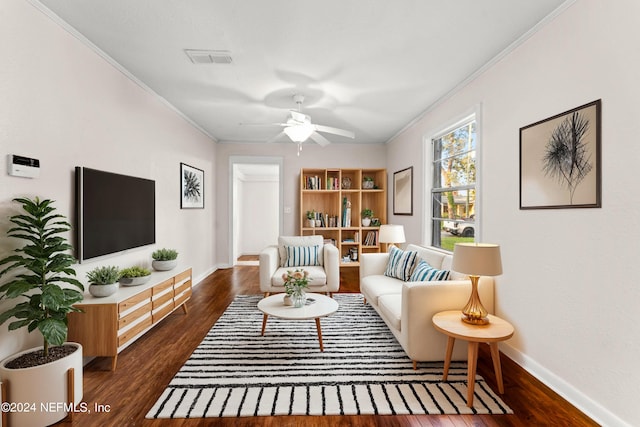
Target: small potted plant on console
x,y
134,276
164,259
103,281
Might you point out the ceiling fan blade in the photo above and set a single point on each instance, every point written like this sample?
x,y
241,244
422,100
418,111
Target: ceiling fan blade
x,y
299,118
321,140
263,124
335,131
275,138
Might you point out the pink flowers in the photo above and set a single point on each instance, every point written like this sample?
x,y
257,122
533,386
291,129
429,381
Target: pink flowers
x,y
296,280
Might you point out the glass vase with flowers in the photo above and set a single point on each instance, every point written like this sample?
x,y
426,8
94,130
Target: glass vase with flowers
x,y
296,283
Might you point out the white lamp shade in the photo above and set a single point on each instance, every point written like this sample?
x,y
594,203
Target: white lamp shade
x,y
478,259
391,233
299,133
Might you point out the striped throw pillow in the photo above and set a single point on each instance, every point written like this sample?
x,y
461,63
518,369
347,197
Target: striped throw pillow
x,y
424,272
400,263
300,256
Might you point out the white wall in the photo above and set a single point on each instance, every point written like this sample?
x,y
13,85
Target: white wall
x,y
62,103
567,285
259,215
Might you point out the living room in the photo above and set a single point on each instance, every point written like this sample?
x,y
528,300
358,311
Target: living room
x,y
67,106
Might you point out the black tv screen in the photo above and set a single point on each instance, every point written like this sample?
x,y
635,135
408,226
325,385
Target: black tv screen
x,y
113,212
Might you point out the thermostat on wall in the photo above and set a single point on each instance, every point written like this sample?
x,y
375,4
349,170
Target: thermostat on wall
x,y
23,166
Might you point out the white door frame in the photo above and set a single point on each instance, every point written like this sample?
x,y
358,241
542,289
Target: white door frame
x,y
258,160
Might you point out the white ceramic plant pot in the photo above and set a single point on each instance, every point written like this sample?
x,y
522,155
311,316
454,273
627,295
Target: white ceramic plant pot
x,y
134,281
101,291
43,388
164,265
366,222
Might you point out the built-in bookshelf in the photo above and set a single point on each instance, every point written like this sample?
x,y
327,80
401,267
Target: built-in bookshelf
x,y
334,200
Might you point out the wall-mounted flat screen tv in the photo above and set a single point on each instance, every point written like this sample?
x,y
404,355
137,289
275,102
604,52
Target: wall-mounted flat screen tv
x,y
113,212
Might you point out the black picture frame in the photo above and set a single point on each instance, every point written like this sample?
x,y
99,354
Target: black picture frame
x,y
191,187
403,192
560,160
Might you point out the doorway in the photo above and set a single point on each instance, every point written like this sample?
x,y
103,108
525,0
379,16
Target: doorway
x,y
255,208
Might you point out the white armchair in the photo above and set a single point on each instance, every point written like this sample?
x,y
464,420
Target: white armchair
x,y
321,260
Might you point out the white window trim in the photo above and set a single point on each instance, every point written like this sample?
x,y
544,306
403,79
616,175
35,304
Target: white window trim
x,y
427,160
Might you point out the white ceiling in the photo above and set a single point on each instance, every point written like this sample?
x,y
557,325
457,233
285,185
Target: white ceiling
x,y
370,66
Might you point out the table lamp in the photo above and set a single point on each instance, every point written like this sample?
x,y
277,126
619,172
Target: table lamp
x,y
391,233
475,260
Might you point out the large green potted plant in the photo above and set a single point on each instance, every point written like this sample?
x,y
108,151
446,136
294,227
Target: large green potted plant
x,y
38,269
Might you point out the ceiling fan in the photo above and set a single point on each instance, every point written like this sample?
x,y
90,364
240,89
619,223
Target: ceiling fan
x,y
299,128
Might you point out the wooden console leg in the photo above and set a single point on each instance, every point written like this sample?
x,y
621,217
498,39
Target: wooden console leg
x,y
70,393
3,398
114,361
184,308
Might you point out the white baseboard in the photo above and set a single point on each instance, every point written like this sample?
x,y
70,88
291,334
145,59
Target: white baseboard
x,y
592,409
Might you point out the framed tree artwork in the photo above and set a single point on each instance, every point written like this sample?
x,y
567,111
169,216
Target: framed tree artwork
x,y
403,192
191,187
560,160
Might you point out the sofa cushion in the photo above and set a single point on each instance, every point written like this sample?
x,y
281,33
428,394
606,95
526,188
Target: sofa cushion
x,y
424,272
372,287
435,258
400,263
300,256
391,309
317,276
299,241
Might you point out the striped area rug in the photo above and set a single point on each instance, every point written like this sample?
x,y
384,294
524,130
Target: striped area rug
x,y
237,372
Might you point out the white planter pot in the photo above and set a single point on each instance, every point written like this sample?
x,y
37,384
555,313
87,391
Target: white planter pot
x,y
134,281
164,265
100,291
43,388
366,222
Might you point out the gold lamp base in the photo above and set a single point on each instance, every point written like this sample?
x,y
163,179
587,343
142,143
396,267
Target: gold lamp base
x,y
474,313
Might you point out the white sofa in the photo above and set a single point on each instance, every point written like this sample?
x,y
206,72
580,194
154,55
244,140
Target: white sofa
x,y
324,277
407,307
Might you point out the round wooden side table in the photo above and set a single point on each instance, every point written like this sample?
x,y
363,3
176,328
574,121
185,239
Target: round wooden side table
x,y
451,324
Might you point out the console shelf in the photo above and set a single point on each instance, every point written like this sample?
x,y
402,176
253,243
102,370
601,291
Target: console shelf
x,y
109,325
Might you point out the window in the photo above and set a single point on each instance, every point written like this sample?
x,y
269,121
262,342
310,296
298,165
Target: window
x,y
453,191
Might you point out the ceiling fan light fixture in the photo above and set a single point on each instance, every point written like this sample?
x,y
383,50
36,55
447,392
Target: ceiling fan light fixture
x,y
299,133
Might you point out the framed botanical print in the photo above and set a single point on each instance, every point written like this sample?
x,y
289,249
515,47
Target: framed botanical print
x,y
191,187
560,164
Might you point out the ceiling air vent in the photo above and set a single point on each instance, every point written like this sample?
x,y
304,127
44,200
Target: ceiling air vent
x,y
199,56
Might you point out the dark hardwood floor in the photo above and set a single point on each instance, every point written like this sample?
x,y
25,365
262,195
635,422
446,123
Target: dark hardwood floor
x,y
146,367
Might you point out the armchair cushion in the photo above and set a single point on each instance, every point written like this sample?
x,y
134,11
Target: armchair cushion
x,y
317,276
400,263
424,272
300,256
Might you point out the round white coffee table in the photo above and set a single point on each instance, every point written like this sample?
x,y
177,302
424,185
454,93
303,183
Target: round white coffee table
x,y
317,306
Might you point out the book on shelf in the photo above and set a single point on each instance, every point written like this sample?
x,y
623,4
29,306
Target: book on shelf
x,y
312,182
371,238
330,242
